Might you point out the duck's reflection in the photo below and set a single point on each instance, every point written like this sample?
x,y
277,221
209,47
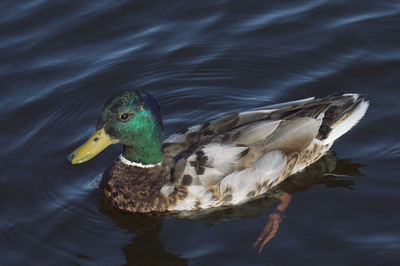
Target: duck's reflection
x,y
146,248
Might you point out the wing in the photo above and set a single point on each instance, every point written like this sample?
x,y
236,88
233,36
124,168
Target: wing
x,y
241,155
204,154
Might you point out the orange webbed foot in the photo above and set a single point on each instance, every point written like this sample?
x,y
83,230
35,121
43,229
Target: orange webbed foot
x,y
272,226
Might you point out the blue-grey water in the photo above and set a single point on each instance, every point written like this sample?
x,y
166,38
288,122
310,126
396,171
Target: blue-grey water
x,y
60,61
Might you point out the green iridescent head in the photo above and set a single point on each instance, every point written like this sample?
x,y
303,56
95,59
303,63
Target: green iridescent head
x,y
132,118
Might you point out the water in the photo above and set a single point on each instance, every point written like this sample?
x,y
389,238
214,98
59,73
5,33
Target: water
x,y
61,60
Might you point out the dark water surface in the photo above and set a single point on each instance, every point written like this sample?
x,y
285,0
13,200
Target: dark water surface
x,y
61,60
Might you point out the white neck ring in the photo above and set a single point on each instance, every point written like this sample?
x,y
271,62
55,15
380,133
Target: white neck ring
x,y
127,162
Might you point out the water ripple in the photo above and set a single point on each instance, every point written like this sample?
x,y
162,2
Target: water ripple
x,y
60,61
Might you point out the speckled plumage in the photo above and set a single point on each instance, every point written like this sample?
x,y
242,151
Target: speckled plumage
x,y
235,158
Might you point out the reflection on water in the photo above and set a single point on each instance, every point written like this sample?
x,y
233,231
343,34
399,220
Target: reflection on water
x,y
146,245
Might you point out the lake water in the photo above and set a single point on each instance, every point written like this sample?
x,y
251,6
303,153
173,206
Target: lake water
x,y
60,61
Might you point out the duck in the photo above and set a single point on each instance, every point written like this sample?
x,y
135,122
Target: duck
x,y
229,160
226,161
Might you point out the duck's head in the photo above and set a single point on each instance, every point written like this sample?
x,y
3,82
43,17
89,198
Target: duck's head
x,y
131,118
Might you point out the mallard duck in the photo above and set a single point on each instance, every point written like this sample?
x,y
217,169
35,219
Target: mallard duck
x,y
226,161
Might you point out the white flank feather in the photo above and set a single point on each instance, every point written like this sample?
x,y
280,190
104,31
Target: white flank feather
x,y
195,193
268,168
221,159
222,156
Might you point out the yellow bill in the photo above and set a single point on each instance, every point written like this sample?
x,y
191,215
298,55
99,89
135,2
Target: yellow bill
x,y
97,142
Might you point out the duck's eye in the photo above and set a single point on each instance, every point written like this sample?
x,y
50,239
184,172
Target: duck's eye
x,y
124,117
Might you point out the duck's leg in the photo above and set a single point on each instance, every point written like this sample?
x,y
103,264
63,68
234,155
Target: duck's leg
x,y
272,226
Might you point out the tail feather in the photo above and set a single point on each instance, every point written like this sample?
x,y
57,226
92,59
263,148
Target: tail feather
x,y
342,116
